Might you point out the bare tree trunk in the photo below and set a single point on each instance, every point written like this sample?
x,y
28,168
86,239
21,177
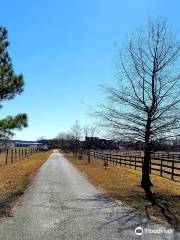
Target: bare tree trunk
x,y
76,147
146,183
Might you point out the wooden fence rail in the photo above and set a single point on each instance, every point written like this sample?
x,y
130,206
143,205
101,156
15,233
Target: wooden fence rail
x,y
13,155
164,167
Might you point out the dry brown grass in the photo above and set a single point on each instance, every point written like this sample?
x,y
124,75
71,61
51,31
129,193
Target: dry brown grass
x,y
11,155
124,185
162,166
15,178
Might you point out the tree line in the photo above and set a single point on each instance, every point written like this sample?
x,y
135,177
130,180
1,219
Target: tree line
x,y
74,139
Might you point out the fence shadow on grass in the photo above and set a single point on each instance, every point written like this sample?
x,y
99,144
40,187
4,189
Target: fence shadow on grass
x,y
163,207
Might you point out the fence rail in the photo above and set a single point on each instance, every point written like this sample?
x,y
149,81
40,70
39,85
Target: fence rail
x,y
13,155
158,155
169,168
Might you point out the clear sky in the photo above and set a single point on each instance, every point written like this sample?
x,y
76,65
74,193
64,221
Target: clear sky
x,y
65,48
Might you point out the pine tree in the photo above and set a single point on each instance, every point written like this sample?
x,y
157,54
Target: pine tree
x,y
11,85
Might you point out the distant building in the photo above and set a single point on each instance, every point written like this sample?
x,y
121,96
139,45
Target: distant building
x,y
21,143
47,142
98,143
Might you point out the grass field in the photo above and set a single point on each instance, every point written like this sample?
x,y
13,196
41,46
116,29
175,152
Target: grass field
x,y
15,178
124,185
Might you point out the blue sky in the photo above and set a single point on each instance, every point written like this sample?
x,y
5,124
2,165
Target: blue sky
x,y
65,49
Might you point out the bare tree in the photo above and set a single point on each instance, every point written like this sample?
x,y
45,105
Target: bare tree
x,y
86,130
145,105
93,130
76,132
65,141
90,130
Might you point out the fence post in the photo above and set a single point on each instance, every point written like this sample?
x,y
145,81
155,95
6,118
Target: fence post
x,y
6,156
110,160
12,156
135,163
172,173
15,155
161,167
19,154
130,161
106,161
89,158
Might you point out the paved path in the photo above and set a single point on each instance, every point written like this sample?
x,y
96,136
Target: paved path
x,y
61,204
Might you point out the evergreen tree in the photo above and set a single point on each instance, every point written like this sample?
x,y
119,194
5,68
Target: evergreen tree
x,y
11,85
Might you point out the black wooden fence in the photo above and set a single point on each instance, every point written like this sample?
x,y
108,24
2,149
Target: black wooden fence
x,y
165,167
13,155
